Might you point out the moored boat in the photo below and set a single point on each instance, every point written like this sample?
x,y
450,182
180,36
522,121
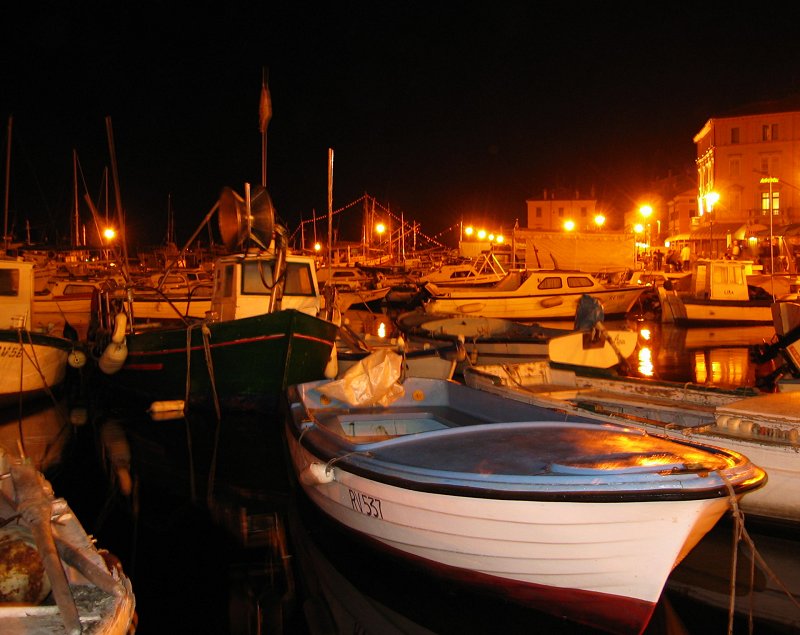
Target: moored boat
x,y
54,578
533,294
575,519
764,427
262,334
31,362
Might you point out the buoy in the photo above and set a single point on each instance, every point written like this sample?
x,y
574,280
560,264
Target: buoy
x,y
316,474
76,358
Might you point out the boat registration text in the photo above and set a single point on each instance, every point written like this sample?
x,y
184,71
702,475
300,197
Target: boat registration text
x,y
365,504
11,351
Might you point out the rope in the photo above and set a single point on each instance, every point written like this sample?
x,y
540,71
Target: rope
x,y
212,471
740,534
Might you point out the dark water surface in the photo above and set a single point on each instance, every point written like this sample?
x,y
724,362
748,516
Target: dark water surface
x,y
215,539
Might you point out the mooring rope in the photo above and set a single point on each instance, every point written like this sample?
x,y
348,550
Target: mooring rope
x,y
741,534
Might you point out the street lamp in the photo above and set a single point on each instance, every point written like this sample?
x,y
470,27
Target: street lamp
x,y
599,221
711,199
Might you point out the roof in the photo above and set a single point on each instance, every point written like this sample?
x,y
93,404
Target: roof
x,y
718,229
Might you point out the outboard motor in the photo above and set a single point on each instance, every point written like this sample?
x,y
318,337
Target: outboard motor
x,y
590,312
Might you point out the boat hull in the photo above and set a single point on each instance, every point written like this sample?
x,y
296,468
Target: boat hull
x,y
30,364
568,517
556,306
251,360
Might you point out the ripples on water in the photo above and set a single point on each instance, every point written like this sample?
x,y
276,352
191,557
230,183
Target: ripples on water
x,y
208,527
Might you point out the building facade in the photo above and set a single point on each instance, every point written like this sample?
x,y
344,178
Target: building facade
x,y
747,174
556,208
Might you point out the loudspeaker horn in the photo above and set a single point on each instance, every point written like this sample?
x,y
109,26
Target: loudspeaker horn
x,y
236,225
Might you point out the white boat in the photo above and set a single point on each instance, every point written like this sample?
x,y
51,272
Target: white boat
x,y
576,519
54,579
533,294
719,295
31,362
486,269
764,427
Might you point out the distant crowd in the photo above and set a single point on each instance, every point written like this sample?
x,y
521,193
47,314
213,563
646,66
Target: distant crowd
x,y
677,260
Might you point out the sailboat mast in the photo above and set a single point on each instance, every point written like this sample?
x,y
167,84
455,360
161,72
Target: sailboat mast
x,y
76,230
8,184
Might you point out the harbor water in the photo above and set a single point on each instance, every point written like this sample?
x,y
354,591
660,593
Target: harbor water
x,y
204,516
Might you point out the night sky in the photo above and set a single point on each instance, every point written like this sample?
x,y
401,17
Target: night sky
x,y
438,110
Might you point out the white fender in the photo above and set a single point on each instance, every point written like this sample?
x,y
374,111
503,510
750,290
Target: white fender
x,y
76,358
332,367
120,323
116,352
316,474
173,405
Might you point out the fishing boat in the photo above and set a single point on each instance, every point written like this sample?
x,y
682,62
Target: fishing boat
x,y
719,295
581,520
54,578
263,333
32,362
765,427
533,295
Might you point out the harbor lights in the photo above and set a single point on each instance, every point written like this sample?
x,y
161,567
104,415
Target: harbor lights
x,y
646,211
109,233
569,225
599,221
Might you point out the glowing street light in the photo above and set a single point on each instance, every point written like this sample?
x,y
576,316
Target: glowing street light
x,y
569,225
380,229
711,199
599,221
469,230
481,234
109,233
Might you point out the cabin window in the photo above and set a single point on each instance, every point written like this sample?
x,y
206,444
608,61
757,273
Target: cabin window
x,y
574,282
257,277
550,283
298,279
9,282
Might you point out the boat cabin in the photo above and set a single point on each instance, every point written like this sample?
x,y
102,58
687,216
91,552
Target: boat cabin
x,y
243,285
720,279
16,293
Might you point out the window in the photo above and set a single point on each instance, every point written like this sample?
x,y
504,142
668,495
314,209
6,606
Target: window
x,y
735,167
574,282
298,279
561,212
538,212
550,283
583,212
227,281
769,132
257,277
776,203
9,282
734,135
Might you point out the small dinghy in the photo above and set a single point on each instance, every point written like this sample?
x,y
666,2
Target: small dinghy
x,y
578,519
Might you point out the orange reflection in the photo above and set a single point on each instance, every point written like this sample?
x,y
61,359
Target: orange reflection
x,y
646,366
